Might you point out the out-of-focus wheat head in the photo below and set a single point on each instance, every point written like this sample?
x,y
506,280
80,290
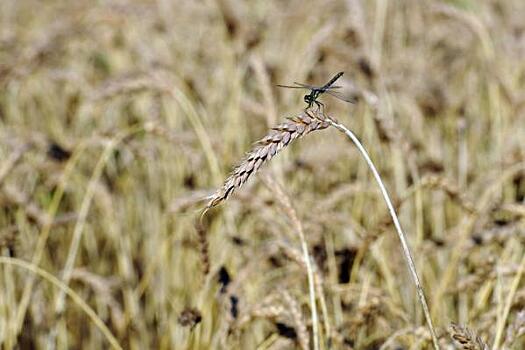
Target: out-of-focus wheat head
x,y
466,338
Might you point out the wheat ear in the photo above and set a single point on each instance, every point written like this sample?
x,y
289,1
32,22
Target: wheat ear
x,y
466,338
278,138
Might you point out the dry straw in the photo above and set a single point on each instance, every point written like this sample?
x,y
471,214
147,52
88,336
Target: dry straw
x,y
290,211
280,137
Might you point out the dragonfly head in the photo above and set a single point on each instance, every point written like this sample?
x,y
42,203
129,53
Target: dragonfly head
x,y
308,99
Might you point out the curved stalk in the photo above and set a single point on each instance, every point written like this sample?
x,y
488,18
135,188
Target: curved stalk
x,y
400,233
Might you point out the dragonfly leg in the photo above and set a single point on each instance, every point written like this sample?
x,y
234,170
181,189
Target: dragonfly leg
x,y
320,106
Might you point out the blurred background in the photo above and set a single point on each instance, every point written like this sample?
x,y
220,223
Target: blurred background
x,y
117,118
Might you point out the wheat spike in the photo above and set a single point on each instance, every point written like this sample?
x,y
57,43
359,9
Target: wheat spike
x,y
466,338
278,138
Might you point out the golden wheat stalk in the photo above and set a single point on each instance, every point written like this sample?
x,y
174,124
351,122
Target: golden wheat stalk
x,y
278,138
401,234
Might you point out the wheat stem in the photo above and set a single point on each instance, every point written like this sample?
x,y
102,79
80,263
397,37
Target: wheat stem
x,y
4,260
401,234
508,304
283,198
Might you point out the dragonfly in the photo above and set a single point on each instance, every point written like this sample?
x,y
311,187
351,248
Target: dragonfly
x,y
316,91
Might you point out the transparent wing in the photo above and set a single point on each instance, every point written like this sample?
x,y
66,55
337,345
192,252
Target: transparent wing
x,y
292,87
344,97
307,86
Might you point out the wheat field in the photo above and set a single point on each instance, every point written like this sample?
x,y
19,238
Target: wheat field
x,y
140,208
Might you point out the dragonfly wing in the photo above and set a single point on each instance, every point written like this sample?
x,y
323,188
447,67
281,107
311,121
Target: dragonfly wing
x,y
312,87
306,86
291,87
344,97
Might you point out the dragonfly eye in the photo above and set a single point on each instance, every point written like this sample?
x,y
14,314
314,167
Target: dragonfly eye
x,y
307,98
